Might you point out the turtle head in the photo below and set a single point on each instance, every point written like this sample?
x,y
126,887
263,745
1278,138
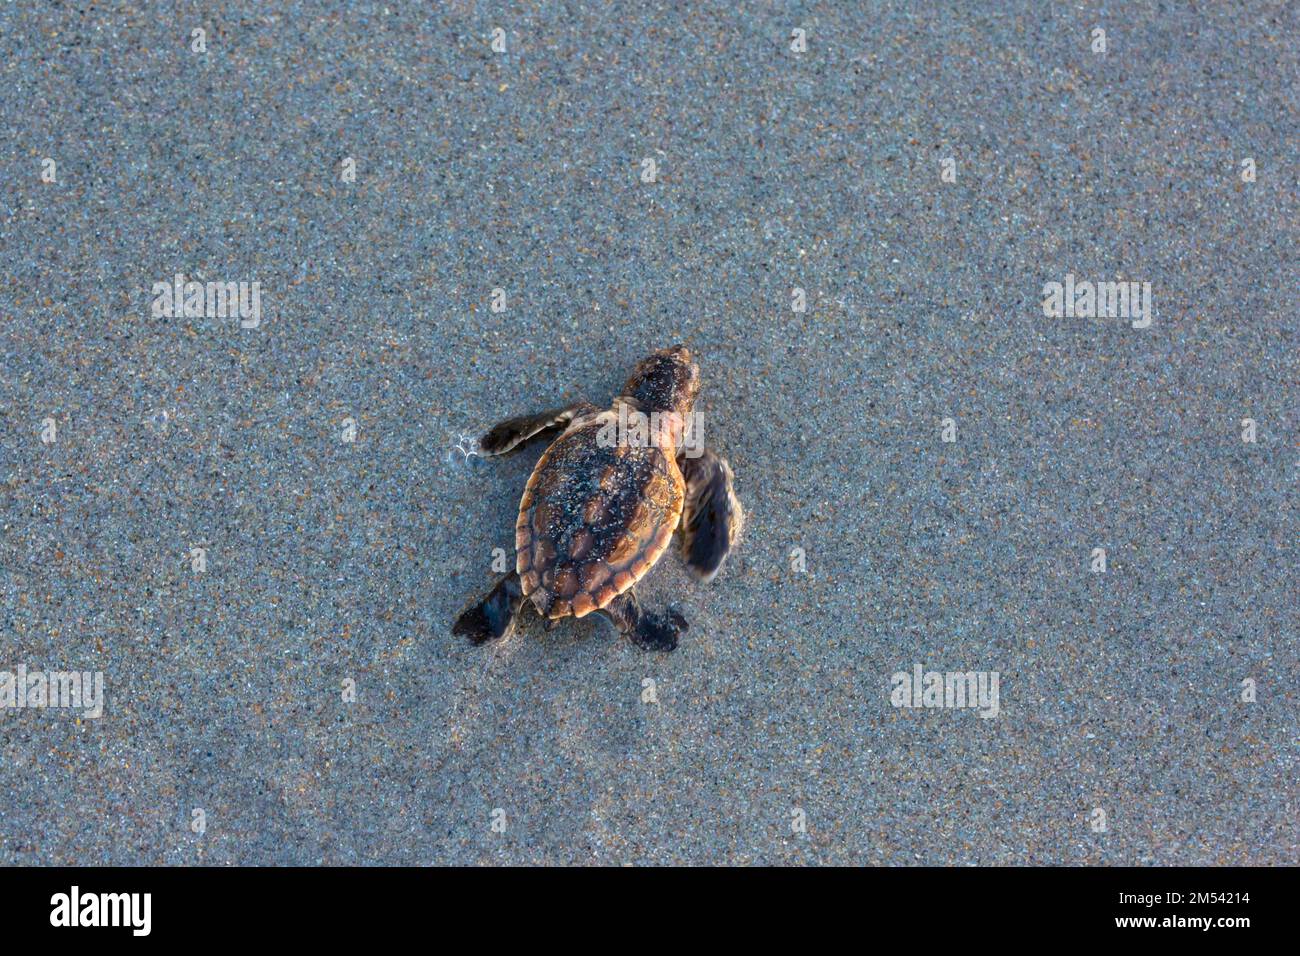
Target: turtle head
x,y
665,381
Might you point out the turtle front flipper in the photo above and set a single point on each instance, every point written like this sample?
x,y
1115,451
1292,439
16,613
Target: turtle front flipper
x,y
513,432
494,616
655,632
712,518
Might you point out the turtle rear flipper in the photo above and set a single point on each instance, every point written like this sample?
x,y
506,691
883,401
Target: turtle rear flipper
x,y
654,632
712,518
494,616
513,432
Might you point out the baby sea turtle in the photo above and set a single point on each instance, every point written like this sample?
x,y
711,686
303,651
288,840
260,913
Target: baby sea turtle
x,y
603,502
